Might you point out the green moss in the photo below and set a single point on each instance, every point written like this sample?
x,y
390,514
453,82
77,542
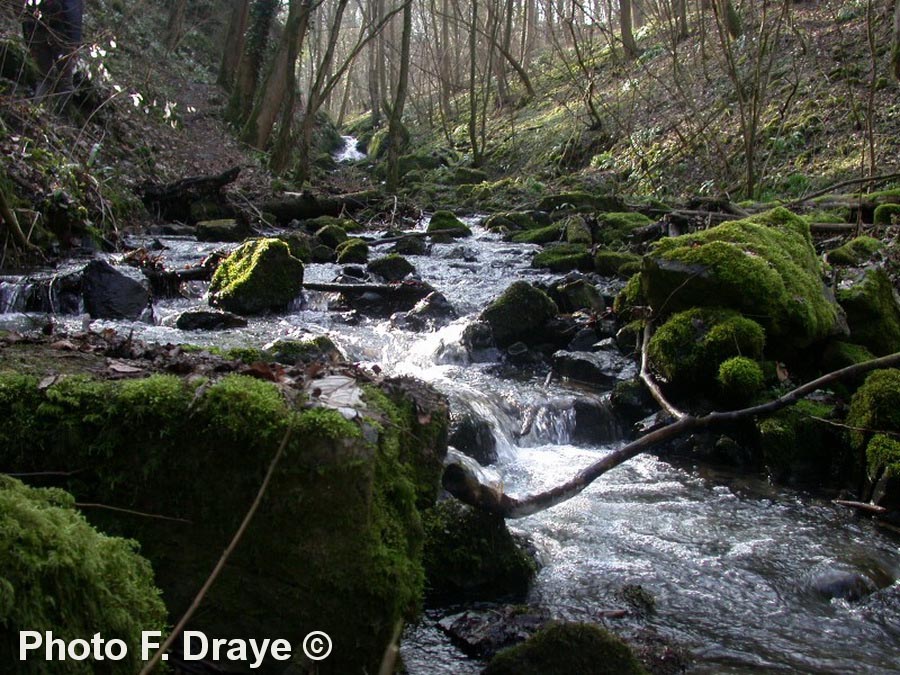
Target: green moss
x,y
331,235
290,352
873,313
883,456
470,553
567,648
887,214
392,267
59,574
541,235
259,276
740,380
352,251
614,229
799,447
577,231
579,201
840,354
688,349
464,174
227,229
610,263
516,220
300,245
855,252
875,408
630,297
518,313
444,226
764,266
564,258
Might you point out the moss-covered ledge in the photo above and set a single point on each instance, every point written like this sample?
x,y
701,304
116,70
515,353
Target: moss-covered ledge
x,y
337,543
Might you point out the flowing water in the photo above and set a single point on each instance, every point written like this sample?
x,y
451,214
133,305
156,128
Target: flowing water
x,y
350,151
731,562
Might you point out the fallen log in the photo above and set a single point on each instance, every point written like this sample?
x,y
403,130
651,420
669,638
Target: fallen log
x,y
306,205
463,484
191,199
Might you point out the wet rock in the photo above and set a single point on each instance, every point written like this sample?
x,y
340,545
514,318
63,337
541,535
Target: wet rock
x,y
474,437
352,251
584,340
481,633
445,227
109,294
260,276
602,369
842,584
352,274
873,312
463,253
478,340
410,246
432,311
208,320
514,221
518,314
227,229
631,401
577,292
174,230
596,422
331,235
290,352
564,258
392,267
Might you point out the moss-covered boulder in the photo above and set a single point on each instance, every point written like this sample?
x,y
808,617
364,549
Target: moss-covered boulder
x,y
610,263
740,380
519,314
764,266
260,276
470,553
419,162
800,446
352,252
875,412
444,227
577,231
564,258
464,174
392,267
337,541
540,235
839,354
580,201
629,298
855,252
614,229
291,352
517,220
59,574
688,349
873,312
226,229
331,235
300,244
887,214
567,648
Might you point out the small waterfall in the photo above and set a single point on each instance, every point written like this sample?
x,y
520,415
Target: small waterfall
x,y
350,152
14,294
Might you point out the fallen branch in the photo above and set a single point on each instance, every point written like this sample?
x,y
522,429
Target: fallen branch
x,y
648,380
173,201
464,485
837,186
862,506
131,512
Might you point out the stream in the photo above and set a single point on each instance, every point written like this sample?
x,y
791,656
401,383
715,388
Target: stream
x,y
731,561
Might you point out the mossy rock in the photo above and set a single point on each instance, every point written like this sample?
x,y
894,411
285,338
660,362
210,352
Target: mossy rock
x,y
873,312
578,295
609,263
740,380
16,64
410,246
875,407
419,162
855,252
376,147
465,174
578,231
300,244
331,235
444,227
564,258
470,553
59,574
628,298
883,457
799,446
580,201
313,225
614,229
541,235
838,354
337,541
887,214
515,221
764,266
392,267
567,648
519,314
353,251
260,276
291,352
688,349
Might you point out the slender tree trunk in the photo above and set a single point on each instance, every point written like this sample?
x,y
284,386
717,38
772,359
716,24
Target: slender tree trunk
x,y
234,43
473,92
625,26
731,18
895,50
175,26
396,132
262,13
681,18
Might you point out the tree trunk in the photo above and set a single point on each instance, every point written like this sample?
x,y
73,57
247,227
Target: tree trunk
x,y
175,26
681,18
628,43
473,97
895,51
731,18
262,13
234,43
395,126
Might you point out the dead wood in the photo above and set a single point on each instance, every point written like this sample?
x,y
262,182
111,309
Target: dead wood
x,y
174,201
307,205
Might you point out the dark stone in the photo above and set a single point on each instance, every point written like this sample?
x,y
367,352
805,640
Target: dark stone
x,y
481,633
584,340
228,229
410,246
473,437
208,320
603,368
842,584
109,294
595,422
432,311
631,401
357,272
478,340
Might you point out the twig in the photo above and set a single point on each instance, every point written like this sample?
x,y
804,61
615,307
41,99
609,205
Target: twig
x,y
155,516
226,554
648,380
39,474
861,506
